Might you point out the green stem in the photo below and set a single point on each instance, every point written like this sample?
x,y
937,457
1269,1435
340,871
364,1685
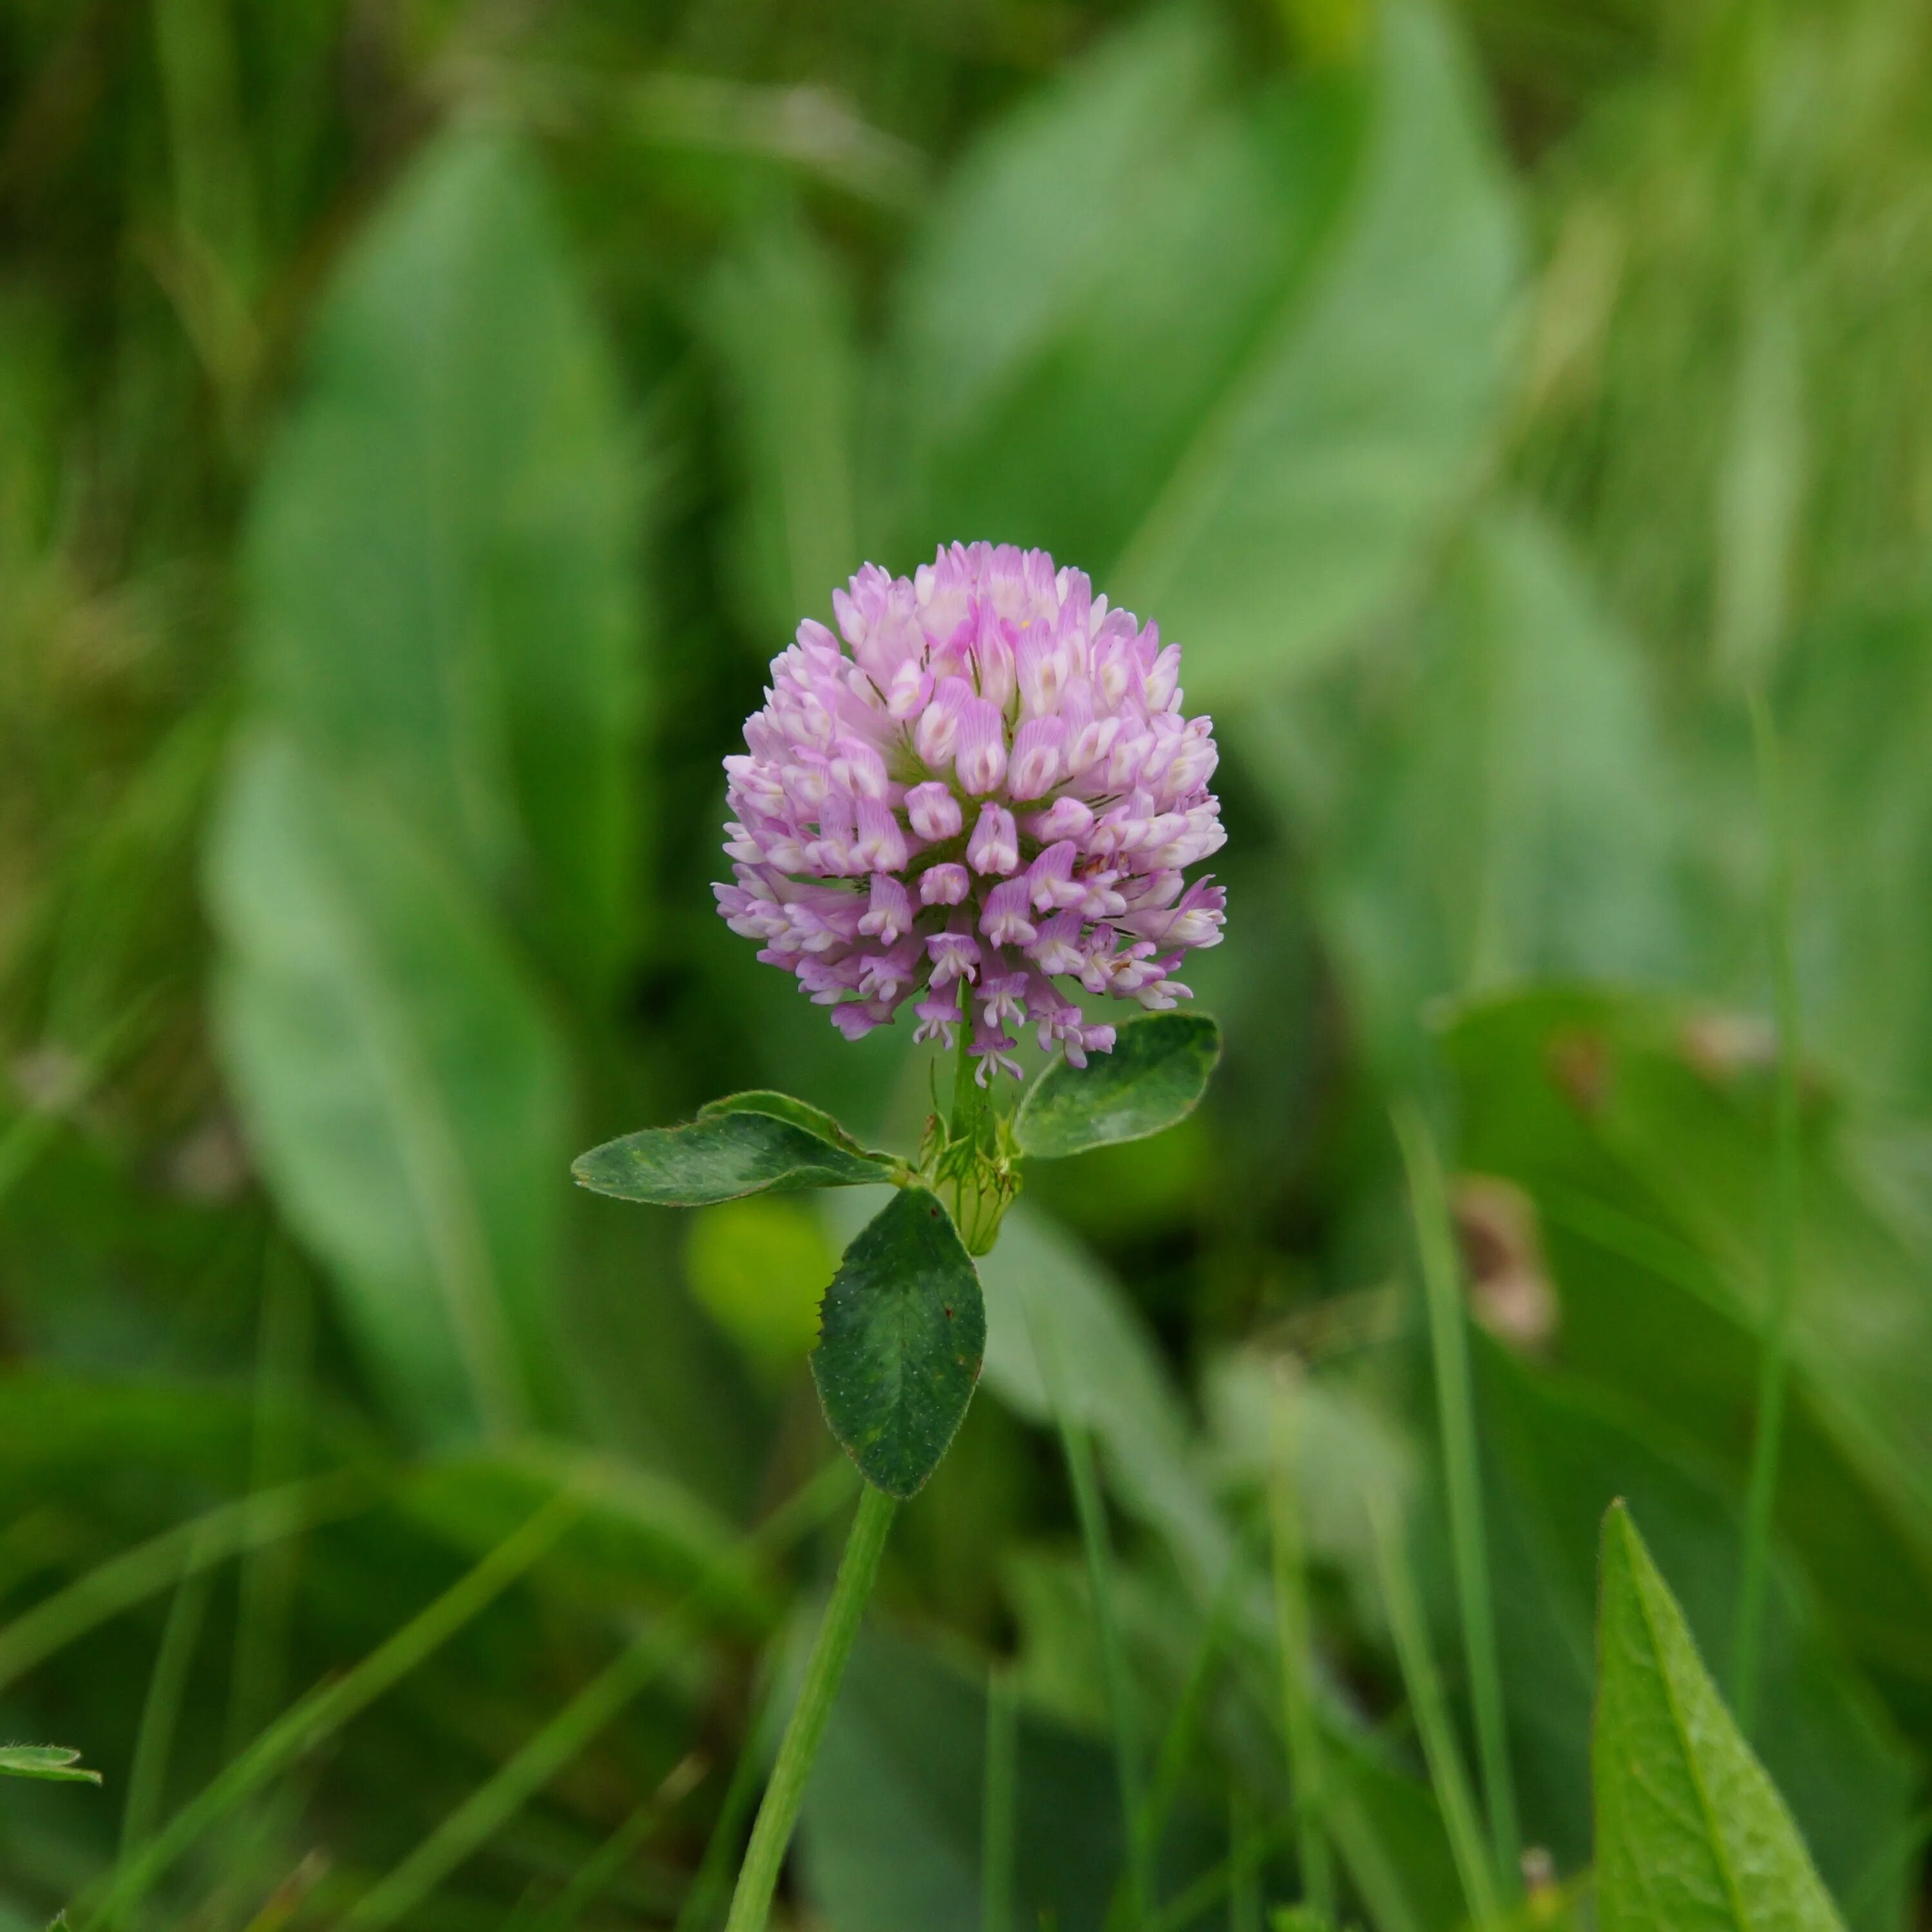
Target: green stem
x,y
1774,1357
1439,1748
1302,1732
1449,1344
778,1813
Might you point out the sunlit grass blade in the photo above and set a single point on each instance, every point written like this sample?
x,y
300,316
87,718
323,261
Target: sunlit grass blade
x,y
598,1872
266,1584
703,1905
1170,1759
314,1719
1098,1548
1774,1349
1077,1449
492,1804
1301,1729
1372,1867
997,1794
1894,1862
1218,1881
160,1710
150,1567
1449,1341
565,1737
1244,1890
1439,1748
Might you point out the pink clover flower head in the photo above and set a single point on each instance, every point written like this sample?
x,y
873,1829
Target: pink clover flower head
x,y
988,788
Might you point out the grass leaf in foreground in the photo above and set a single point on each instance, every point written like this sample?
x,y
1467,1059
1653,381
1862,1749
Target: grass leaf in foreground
x,y
53,1761
1691,1834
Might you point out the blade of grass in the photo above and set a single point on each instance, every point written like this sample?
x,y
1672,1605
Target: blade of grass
x,y
562,1739
1137,1879
1375,1873
1244,1862
599,1871
312,1719
996,1800
160,1710
1893,1861
704,1903
1439,1749
150,1567
1187,1906
1774,1351
567,1734
1449,1345
265,1595
1078,1450
1170,1764
1301,1730
778,1811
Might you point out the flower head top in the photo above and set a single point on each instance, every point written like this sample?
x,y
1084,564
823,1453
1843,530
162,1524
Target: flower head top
x,y
995,791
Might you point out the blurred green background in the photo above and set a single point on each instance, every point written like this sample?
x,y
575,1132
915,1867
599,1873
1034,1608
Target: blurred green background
x,y
421,421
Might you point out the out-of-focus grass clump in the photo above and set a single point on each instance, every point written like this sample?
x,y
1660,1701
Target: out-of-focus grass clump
x,y
420,424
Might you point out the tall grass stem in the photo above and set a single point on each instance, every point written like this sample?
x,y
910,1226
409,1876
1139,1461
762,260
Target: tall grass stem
x,y
407,1888
778,1813
1078,1449
1439,1748
161,1709
600,1871
150,1567
1301,1728
312,1719
1774,1349
1449,1340
702,1905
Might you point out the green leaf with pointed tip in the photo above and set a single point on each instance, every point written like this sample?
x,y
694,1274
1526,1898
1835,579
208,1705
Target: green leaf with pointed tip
x,y
903,1329
53,1761
800,1113
1156,1075
1691,1834
723,1154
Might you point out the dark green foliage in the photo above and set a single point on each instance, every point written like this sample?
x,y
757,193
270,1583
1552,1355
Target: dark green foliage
x,y
903,1332
724,1154
1156,1074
